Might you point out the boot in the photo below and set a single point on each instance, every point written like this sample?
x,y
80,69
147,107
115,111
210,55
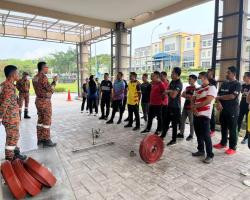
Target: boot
x,y
26,116
18,155
48,143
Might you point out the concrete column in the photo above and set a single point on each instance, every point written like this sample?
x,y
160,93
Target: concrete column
x,y
230,27
121,56
84,61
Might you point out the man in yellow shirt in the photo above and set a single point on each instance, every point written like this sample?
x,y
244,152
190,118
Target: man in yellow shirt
x,y
134,95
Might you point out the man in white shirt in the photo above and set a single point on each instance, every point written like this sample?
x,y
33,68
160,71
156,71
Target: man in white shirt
x,y
202,109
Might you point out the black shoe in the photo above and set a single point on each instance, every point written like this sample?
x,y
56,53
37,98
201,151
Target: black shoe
x,y
48,143
119,121
171,143
39,142
17,154
136,128
181,136
110,121
198,154
26,116
190,137
102,117
208,160
126,120
145,131
128,126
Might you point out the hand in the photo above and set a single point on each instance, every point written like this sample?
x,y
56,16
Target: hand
x,y
195,111
55,78
219,106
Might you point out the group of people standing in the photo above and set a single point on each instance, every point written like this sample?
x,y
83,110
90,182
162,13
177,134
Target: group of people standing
x,y
161,99
11,107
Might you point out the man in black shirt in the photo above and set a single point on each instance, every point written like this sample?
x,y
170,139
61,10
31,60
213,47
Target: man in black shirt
x,y
174,105
228,104
105,91
243,103
212,81
145,91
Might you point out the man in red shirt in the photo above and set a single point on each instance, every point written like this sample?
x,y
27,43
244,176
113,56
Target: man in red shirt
x,y
164,109
156,101
187,112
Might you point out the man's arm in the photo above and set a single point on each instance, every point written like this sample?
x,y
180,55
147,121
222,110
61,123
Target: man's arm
x,y
5,96
234,93
47,86
207,101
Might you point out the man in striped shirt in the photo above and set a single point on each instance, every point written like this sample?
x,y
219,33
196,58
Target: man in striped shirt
x,y
202,109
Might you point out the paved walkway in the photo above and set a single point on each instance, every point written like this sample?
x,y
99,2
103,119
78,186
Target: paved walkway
x,y
110,173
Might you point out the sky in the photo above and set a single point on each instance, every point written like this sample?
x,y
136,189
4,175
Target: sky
x,y
199,19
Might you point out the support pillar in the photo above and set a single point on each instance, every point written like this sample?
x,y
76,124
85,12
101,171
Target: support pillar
x,y
84,61
120,50
234,32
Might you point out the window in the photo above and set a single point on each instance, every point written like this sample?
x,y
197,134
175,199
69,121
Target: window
x,y
188,45
208,54
170,47
204,43
209,43
203,54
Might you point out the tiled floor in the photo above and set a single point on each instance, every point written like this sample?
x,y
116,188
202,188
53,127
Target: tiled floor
x,y
110,173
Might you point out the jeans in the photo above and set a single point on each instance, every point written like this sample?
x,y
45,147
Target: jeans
x,y
228,120
213,120
187,114
83,103
242,114
154,111
202,131
133,109
93,103
145,109
173,115
117,105
105,102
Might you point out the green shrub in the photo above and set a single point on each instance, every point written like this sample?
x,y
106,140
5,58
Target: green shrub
x,y
60,89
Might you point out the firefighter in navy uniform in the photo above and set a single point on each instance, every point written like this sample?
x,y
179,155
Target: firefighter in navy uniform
x,y
23,86
9,113
44,91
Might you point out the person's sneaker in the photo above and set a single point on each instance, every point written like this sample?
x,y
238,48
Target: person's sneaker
x,y
81,111
136,128
18,155
212,133
128,126
219,146
145,131
230,151
102,117
190,137
171,143
244,141
208,160
110,121
48,143
198,153
181,136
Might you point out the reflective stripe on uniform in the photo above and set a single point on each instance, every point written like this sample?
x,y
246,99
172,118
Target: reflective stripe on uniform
x,y
40,125
11,148
45,126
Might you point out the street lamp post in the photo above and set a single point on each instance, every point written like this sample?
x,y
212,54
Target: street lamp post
x,y
151,50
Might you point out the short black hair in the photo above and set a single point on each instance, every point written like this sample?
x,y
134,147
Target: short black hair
x,y
25,74
232,69
247,74
192,76
91,77
40,65
106,74
204,74
120,74
133,74
164,73
9,69
177,70
157,73
145,75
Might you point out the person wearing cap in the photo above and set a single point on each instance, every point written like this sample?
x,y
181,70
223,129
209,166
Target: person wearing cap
x,y
9,113
23,86
44,91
